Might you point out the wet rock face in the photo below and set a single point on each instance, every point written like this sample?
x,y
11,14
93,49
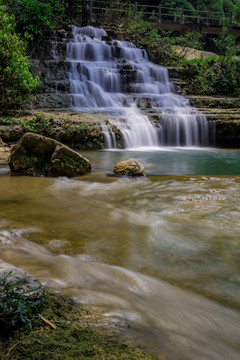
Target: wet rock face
x,y
37,155
129,167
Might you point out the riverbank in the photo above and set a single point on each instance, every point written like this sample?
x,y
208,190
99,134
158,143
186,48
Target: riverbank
x,y
80,332
82,131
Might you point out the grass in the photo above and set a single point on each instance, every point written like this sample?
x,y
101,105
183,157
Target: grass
x,y
71,340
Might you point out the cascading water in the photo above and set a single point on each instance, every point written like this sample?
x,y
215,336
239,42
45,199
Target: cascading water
x,y
115,76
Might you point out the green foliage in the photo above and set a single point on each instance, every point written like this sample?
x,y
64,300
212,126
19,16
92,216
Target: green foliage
x,y
227,45
191,39
7,121
214,75
203,5
35,16
16,80
37,124
76,128
236,11
18,305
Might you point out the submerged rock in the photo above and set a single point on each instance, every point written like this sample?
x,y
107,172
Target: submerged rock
x,y
129,167
37,155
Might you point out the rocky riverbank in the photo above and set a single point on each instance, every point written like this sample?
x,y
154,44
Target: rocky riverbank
x,y
224,112
84,131
74,331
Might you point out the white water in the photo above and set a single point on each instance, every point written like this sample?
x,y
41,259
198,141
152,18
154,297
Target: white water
x,y
109,137
111,75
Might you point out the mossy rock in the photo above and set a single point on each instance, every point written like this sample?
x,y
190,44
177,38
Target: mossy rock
x,y
66,162
37,155
129,167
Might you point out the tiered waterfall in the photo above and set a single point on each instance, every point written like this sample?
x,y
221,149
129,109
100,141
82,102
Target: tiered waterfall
x,y
116,77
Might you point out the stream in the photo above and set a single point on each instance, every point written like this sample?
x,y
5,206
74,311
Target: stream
x,y
160,253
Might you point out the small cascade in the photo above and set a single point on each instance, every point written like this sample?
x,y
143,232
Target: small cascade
x,y
136,129
116,77
109,137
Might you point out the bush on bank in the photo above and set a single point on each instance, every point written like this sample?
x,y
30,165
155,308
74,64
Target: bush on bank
x,y
16,80
215,75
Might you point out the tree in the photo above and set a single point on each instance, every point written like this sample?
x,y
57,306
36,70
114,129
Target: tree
x,y
35,16
16,80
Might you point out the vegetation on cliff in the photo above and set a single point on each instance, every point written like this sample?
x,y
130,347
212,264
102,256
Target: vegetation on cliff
x,y
81,131
16,80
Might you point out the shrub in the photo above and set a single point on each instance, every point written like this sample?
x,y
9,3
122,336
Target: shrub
x,y
7,121
18,304
37,124
35,16
214,76
16,80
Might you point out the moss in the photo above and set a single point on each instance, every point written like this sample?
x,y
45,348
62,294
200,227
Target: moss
x,y
34,162
69,341
75,164
28,162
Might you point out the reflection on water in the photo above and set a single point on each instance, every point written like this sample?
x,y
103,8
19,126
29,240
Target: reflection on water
x,y
160,252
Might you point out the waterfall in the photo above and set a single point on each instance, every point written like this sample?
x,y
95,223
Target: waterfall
x,y
115,76
109,137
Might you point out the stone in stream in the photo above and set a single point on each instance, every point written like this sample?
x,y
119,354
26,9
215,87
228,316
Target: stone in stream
x,y
37,155
129,167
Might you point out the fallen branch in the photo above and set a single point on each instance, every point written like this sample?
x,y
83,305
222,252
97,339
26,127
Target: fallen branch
x,y
47,322
12,348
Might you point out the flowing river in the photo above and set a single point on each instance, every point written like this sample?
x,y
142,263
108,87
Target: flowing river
x,y
161,252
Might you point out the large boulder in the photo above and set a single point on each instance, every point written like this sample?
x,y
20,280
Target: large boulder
x,y
37,155
129,167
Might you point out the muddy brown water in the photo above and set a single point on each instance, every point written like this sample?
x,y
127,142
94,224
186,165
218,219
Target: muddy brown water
x,y
161,252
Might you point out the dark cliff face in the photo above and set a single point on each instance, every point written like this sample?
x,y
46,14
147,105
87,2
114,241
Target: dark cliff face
x,y
47,57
